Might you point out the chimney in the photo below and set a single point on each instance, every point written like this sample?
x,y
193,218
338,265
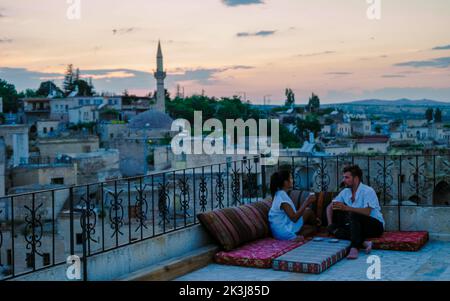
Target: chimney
x,y
311,137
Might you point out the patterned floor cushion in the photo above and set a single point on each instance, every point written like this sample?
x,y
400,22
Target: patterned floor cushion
x,y
313,257
401,241
257,254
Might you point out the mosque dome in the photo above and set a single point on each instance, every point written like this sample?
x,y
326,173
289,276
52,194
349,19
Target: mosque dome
x,y
151,119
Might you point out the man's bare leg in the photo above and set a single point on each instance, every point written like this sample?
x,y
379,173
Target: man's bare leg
x,y
368,246
353,254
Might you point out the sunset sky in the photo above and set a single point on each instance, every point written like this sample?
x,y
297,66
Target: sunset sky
x,y
228,47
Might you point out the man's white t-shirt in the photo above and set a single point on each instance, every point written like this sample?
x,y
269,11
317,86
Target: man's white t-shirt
x,y
283,228
365,197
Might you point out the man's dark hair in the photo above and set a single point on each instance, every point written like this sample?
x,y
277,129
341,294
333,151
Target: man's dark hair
x,y
354,170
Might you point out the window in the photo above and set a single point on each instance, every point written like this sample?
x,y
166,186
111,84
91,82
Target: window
x,y
45,130
51,130
111,135
67,108
57,181
86,148
46,259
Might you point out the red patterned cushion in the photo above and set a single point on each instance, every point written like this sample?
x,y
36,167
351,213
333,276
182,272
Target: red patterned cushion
x,y
257,254
401,241
232,227
313,257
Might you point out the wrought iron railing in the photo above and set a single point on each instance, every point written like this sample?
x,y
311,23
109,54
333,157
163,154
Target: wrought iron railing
x,y
39,230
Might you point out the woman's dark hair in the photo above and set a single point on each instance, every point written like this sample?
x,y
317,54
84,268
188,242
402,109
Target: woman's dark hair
x,y
277,180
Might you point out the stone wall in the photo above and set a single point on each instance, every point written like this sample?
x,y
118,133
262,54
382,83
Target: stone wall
x,y
43,175
52,147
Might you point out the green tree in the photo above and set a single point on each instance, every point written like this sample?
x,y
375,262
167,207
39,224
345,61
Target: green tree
x,y
429,114
290,98
76,76
314,103
438,115
84,88
10,97
45,89
288,139
310,124
28,93
69,85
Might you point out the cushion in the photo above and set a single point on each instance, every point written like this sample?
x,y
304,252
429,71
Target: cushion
x,y
313,257
257,254
232,227
401,241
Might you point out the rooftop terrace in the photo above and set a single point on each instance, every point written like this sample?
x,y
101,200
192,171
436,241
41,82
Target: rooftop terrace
x,y
138,222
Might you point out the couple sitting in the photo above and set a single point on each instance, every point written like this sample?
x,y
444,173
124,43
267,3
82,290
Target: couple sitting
x,y
355,214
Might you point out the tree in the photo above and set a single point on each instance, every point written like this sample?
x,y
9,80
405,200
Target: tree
x,y
310,124
290,98
438,115
69,79
288,139
429,114
77,75
84,88
10,97
314,103
47,88
28,93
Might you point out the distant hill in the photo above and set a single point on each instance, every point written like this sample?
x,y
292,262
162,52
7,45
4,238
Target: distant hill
x,y
398,102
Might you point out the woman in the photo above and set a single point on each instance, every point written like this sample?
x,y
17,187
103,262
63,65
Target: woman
x,y
285,220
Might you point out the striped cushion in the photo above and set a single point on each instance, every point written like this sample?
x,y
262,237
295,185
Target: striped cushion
x,y
313,257
232,227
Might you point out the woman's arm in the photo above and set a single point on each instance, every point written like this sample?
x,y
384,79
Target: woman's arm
x,y
295,216
330,213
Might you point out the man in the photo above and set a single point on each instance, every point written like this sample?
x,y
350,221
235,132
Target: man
x,y
355,214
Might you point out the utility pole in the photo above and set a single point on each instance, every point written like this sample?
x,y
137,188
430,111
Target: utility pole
x,y
145,148
267,99
244,93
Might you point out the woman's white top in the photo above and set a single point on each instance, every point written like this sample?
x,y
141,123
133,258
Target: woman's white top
x,y
283,228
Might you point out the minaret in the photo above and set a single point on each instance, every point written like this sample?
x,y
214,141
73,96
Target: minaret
x,y
160,75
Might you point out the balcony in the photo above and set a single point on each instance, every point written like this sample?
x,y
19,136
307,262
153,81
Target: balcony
x,y
156,214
